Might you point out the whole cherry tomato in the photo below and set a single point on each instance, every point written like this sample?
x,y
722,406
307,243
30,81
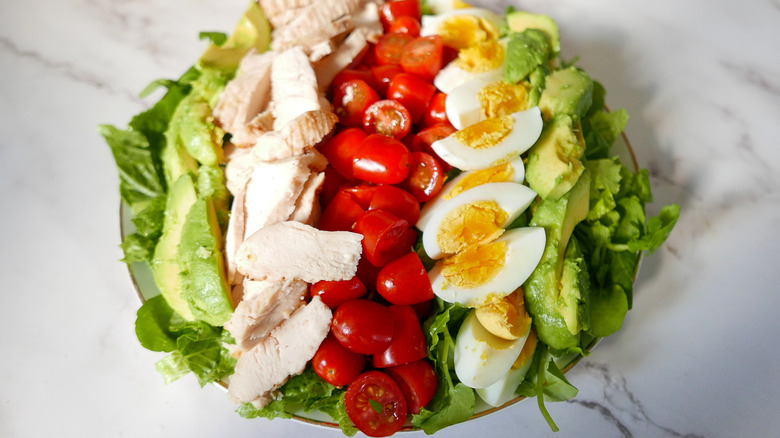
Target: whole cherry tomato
x,y
417,381
363,326
408,343
349,74
335,293
396,201
381,160
341,213
404,281
340,150
406,24
376,404
423,56
436,112
414,92
390,46
387,117
426,177
335,364
351,99
385,236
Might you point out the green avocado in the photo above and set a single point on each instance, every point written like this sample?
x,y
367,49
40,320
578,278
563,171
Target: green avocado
x,y
519,21
211,184
525,52
192,127
253,31
575,286
554,160
165,266
176,160
568,91
549,301
203,277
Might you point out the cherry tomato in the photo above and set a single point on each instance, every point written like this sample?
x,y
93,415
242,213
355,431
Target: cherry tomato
x,y
404,281
413,92
406,24
436,112
408,343
396,201
383,74
418,382
423,56
426,177
341,213
392,10
362,194
363,326
335,364
384,236
375,388
381,160
423,309
390,46
369,59
341,149
333,182
425,138
387,117
367,273
351,99
335,293
350,74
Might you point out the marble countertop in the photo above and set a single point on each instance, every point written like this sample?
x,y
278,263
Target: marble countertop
x,y
698,356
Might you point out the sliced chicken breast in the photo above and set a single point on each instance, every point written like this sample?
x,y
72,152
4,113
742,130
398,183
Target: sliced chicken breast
x,y
293,87
234,237
327,68
307,206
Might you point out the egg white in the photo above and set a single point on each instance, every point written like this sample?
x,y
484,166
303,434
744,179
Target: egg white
x,y
452,76
462,104
503,390
430,23
524,252
527,128
511,197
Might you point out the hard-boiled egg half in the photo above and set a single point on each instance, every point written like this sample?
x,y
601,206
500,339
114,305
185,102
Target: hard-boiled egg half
x,y
482,358
441,6
504,389
478,215
492,141
483,273
512,171
484,61
462,28
481,99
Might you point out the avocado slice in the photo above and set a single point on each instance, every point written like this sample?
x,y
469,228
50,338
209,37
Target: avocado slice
x,y
175,158
553,304
202,265
525,52
165,266
554,164
568,91
519,21
253,31
192,127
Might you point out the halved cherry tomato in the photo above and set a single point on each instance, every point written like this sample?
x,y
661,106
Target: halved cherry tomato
x,y
390,46
392,10
387,117
362,194
414,92
436,112
418,382
351,99
333,182
383,74
408,343
384,236
376,404
367,273
341,213
350,74
335,364
363,326
406,24
381,160
423,309
404,281
425,138
396,201
335,293
341,149
426,177
423,56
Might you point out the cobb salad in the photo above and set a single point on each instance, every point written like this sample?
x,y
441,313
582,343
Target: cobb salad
x,y
387,212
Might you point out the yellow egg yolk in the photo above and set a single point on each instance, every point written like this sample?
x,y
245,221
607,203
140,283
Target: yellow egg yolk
x,y
481,57
501,173
487,133
505,317
501,98
460,4
475,266
527,352
471,224
462,31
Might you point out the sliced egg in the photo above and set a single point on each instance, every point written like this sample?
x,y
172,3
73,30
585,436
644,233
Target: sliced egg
x,y
478,215
481,358
441,6
480,99
485,60
504,389
512,171
505,317
484,273
492,141
462,28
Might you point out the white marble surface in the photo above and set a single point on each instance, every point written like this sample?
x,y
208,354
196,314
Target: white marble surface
x,y
698,355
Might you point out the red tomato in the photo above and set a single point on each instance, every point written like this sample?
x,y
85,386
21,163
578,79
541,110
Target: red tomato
x,y
367,273
362,194
369,59
423,56
381,160
425,138
341,213
350,74
426,177
390,46
423,309
405,281
379,388
396,201
408,343
337,365
406,24
384,236
333,182
335,293
418,382
351,99
363,326
413,92
383,74
387,117
436,112
341,149
392,10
